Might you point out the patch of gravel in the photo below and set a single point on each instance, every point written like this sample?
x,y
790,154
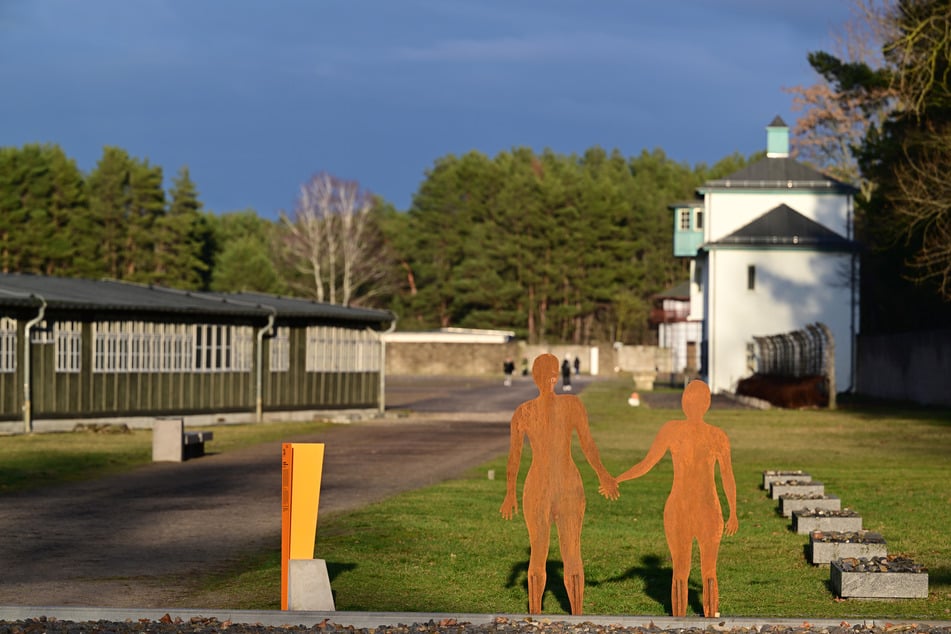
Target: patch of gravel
x,y
499,625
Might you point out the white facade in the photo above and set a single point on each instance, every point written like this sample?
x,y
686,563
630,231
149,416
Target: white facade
x,y
777,255
791,290
728,211
682,338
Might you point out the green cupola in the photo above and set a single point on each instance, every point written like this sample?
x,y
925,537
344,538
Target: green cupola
x,y
777,139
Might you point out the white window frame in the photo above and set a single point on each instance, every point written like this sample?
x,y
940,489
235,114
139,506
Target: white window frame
x,y
685,220
8,345
280,350
68,337
223,348
42,333
336,349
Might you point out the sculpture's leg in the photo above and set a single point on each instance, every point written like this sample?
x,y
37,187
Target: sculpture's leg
x,y
708,573
711,597
574,578
536,567
680,553
678,597
569,541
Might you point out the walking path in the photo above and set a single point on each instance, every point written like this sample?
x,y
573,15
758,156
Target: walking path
x,y
143,539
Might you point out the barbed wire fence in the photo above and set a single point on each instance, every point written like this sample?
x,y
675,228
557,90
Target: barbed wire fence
x,y
806,352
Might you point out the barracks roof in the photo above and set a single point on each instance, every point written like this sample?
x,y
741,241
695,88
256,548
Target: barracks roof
x,y
18,290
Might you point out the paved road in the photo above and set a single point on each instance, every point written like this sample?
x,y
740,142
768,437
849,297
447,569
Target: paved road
x,y
142,539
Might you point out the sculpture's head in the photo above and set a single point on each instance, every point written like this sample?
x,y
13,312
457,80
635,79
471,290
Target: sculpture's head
x,y
545,371
696,399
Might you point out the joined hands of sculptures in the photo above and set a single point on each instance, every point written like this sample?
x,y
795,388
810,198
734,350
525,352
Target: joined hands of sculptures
x,y
553,491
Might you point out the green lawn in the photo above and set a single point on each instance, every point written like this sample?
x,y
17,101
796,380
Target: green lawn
x,y
446,549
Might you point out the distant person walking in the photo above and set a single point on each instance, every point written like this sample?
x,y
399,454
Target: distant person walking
x,y
566,375
577,366
509,369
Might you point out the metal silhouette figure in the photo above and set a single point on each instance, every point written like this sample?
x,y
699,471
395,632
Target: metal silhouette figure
x,y
693,507
553,491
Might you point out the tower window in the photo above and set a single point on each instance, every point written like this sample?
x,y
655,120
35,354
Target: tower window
x,y
685,220
751,277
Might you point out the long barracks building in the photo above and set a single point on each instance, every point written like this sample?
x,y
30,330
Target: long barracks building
x,y
74,349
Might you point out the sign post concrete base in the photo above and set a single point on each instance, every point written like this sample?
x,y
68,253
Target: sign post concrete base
x,y
308,586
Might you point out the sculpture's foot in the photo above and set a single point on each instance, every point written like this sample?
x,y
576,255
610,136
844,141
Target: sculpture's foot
x,y
678,598
574,584
536,587
711,597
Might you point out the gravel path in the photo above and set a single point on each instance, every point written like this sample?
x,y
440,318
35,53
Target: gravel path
x,y
145,538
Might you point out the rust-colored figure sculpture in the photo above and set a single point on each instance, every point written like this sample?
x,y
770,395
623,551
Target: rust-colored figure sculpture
x,y
553,491
693,507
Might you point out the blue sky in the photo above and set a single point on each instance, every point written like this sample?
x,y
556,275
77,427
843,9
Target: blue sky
x,y
257,96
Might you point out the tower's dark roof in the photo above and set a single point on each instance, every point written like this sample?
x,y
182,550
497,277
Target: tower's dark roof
x,y
785,226
677,291
777,122
682,204
777,173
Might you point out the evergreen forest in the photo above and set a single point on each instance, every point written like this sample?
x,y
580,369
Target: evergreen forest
x,y
555,247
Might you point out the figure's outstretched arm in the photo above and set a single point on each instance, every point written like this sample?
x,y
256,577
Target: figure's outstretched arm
x,y
510,504
729,486
607,484
654,454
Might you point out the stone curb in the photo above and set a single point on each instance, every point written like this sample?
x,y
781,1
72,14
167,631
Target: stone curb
x,y
370,620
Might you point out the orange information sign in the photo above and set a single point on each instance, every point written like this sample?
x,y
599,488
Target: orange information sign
x,y
301,468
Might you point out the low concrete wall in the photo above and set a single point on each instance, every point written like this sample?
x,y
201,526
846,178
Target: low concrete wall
x,y
439,358
485,359
909,367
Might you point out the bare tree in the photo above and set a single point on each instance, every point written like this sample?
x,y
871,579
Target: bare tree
x,y
920,50
923,204
334,241
836,116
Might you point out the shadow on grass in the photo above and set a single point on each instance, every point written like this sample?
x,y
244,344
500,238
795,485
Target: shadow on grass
x,y
554,584
939,576
335,569
657,581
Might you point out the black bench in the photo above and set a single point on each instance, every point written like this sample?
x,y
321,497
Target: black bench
x,y
193,443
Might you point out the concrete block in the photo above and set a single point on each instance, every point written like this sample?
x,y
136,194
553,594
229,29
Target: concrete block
x,y
796,487
308,586
827,546
791,502
773,475
851,578
806,521
167,440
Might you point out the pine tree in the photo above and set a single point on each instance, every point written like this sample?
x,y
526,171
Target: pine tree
x,y
110,202
179,237
44,224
